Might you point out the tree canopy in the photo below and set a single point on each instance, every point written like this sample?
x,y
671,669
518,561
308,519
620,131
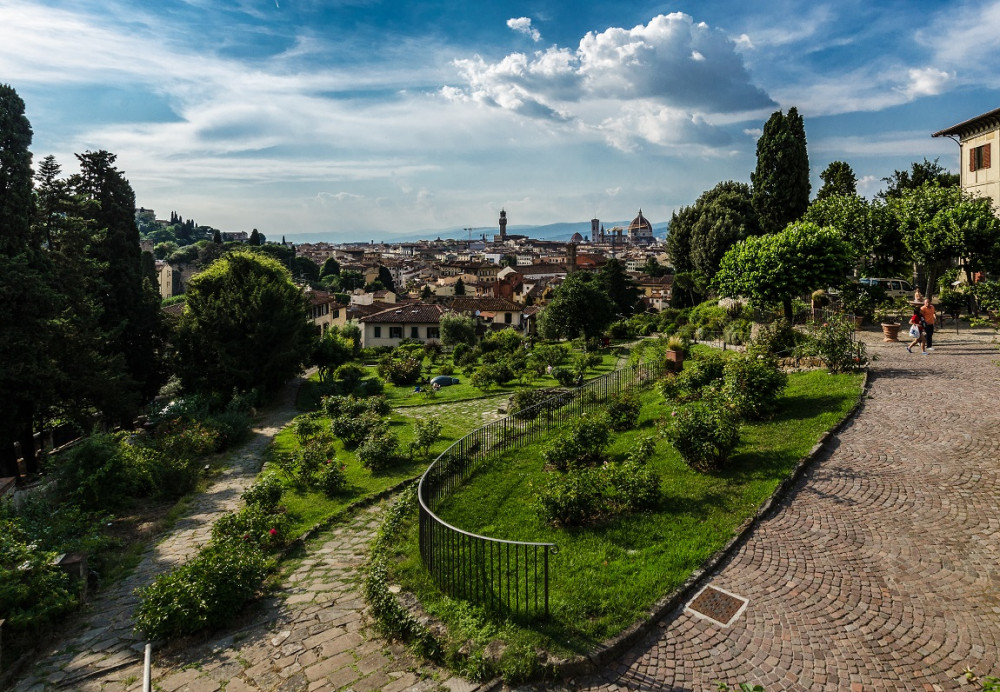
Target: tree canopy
x,y
457,329
838,179
579,307
618,286
245,326
773,269
781,180
868,227
920,173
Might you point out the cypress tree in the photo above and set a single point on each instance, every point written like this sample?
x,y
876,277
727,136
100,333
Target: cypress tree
x,y
781,181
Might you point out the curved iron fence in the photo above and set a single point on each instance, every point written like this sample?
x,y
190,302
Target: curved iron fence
x,y
511,576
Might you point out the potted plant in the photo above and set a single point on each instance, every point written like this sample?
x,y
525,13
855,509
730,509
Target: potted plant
x,y
676,350
888,319
859,301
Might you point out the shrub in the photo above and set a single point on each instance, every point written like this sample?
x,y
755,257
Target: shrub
x,y
629,486
570,499
623,411
204,592
704,433
446,370
548,354
425,434
505,341
349,376
265,528
736,332
182,438
354,429
378,451
232,426
701,374
93,475
331,479
776,339
564,376
752,386
582,443
400,371
492,375
836,345
459,352
266,493
584,495
526,403
33,591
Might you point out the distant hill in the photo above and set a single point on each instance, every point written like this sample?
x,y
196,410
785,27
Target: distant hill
x,y
553,231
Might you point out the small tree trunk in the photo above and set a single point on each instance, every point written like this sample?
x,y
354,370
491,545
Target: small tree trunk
x,y
787,304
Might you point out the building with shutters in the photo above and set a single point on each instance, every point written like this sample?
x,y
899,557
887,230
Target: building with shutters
x,y
978,139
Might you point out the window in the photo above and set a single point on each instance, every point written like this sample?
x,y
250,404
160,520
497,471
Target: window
x,y
507,318
433,332
414,332
378,332
395,332
979,157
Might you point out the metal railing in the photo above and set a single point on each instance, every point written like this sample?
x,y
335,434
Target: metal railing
x,y
503,575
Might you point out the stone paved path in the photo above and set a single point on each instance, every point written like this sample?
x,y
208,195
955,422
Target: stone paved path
x,y
311,635
100,638
482,411
881,570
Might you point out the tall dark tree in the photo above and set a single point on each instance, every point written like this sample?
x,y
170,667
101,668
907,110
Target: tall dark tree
x,y
331,267
619,286
131,305
26,302
217,237
459,287
679,238
254,238
781,181
385,278
838,179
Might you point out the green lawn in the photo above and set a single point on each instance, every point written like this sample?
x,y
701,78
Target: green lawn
x,y
308,508
604,577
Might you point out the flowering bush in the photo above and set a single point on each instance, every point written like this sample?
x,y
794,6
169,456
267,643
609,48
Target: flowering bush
x,y
355,429
264,528
583,443
752,385
378,451
425,433
704,433
836,345
266,493
585,495
400,371
623,411
564,376
331,479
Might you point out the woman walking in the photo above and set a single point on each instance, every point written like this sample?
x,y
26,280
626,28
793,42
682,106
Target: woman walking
x,y
916,331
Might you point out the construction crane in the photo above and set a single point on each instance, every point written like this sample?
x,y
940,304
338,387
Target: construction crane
x,y
476,228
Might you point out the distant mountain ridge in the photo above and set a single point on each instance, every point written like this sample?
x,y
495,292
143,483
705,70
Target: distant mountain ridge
x,y
562,231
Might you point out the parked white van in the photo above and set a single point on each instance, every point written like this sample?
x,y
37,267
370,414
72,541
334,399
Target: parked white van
x,y
894,288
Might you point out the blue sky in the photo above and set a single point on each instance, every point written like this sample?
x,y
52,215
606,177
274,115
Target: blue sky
x,y
364,118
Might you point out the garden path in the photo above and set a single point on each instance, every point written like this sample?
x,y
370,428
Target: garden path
x,y
879,571
99,640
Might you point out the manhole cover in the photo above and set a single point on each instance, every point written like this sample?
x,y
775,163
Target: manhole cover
x,y
721,607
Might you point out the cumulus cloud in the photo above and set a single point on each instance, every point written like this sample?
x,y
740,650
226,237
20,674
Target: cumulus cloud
x,y
522,25
927,81
659,82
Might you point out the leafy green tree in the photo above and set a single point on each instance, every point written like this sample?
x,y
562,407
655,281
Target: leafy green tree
x,y
426,293
254,238
15,173
579,307
163,250
868,227
773,269
978,228
331,267
838,179
508,261
920,173
245,326
305,269
457,329
679,238
217,237
921,214
704,231
619,286
331,350
781,180
350,280
653,268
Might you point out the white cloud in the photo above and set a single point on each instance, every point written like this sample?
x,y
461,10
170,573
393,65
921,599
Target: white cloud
x,y
659,83
927,81
522,25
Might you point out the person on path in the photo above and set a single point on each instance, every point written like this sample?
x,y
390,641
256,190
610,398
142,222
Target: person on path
x,y
916,331
928,313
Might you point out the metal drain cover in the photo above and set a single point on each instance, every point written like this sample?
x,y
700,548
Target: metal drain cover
x,y
717,605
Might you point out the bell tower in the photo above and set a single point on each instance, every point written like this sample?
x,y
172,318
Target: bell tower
x,y
503,226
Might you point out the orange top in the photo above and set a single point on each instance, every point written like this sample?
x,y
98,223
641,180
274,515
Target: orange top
x,y
928,312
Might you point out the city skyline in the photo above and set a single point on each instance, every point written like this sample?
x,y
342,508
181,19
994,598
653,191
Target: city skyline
x,y
361,118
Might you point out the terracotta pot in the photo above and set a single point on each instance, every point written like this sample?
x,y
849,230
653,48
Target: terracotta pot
x,y
890,332
676,359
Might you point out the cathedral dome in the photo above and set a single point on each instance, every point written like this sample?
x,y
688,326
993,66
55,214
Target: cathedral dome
x,y
577,238
640,223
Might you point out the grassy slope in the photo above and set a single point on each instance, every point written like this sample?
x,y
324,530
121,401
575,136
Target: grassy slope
x,y
605,576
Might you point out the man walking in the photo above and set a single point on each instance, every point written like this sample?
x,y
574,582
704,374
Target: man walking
x,y
927,312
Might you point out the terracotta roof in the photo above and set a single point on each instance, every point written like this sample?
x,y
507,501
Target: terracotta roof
x,y
484,304
175,308
416,312
980,123
530,269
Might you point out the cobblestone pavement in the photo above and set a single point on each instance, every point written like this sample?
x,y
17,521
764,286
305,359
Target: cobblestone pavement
x,y
100,639
881,570
311,635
